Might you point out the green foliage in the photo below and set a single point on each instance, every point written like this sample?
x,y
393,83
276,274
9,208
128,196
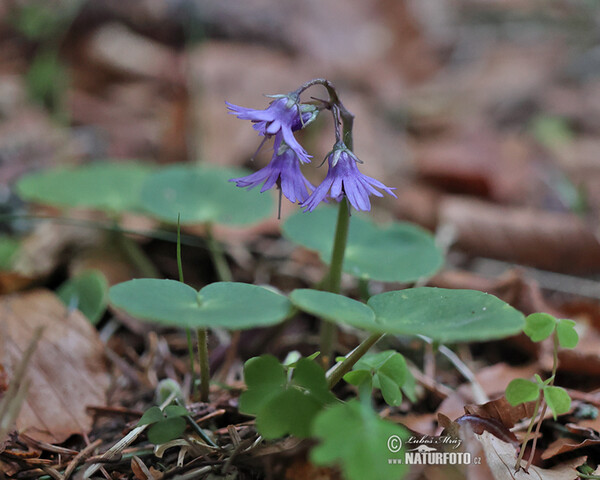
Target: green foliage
x,y
386,371
520,390
88,292
231,305
369,248
551,131
445,315
334,308
166,425
354,438
47,81
114,187
558,400
539,326
203,194
38,21
9,248
565,331
284,406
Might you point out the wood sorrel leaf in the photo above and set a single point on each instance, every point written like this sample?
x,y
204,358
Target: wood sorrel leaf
x,y
445,315
396,252
203,194
334,308
557,399
354,438
388,372
152,415
520,390
88,292
283,406
231,305
110,186
567,336
166,430
539,326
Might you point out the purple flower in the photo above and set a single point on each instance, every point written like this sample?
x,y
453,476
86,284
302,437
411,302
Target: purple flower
x,y
283,116
283,170
343,178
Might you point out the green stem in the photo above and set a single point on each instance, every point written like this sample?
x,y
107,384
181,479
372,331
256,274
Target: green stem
x,y
343,367
334,277
204,364
529,429
218,256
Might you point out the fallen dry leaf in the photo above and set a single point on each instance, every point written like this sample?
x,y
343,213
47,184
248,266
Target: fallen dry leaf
x,y
67,371
501,459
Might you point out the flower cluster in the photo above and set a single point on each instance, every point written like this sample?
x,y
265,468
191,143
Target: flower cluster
x,y
285,115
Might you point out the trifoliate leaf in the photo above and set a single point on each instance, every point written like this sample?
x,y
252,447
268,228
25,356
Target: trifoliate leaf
x,y
567,336
558,400
152,415
354,438
281,406
539,326
388,372
520,391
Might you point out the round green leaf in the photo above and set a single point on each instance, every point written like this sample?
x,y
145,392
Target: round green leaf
x,y
166,430
203,194
396,252
88,292
231,305
520,390
9,247
445,315
539,326
558,400
108,186
567,336
334,308
152,415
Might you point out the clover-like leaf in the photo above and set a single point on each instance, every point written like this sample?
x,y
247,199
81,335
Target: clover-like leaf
x,y
88,292
281,406
520,390
557,399
111,186
201,194
388,372
166,430
355,439
231,305
445,315
567,336
539,326
334,308
152,415
397,252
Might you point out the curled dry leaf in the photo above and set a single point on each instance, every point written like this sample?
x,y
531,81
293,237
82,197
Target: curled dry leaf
x,y
67,371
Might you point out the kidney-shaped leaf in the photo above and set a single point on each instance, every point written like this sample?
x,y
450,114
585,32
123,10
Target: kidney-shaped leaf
x,y
87,292
203,194
231,305
396,252
445,315
108,186
334,308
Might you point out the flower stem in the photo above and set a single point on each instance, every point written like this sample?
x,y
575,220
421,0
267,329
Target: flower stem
x,y
202,337
334,278
343,367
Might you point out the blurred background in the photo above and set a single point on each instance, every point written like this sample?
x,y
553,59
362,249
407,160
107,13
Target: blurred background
x,y
485,115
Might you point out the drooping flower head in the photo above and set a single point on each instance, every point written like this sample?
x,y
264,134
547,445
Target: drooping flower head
x,y
344,179
283,116
283,171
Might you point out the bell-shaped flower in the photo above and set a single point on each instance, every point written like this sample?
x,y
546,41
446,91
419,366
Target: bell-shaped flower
x,y
344,179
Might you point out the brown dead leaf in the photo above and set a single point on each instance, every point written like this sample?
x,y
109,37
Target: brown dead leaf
x,y
502,411
501,459
563,445
67,371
